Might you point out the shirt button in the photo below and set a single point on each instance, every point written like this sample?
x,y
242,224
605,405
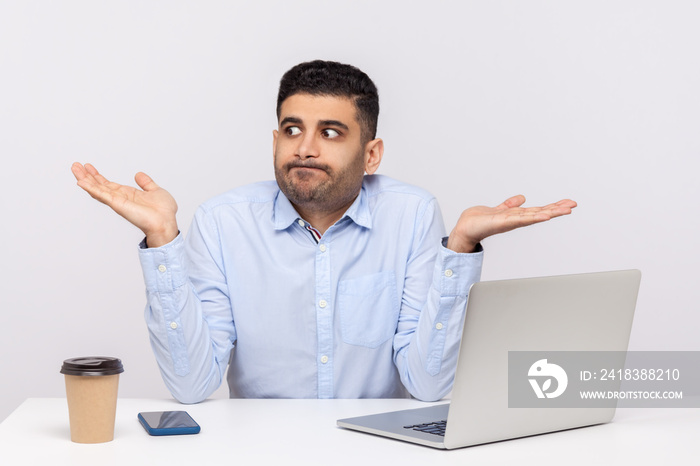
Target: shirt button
x,y
448,273
301,222
322,248
438,326
173,325
323,303
162,268
324,359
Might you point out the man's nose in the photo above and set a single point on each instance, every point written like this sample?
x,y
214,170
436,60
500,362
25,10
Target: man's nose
x,y
308,146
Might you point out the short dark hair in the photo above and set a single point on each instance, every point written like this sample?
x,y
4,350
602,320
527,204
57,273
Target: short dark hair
x,y
331,78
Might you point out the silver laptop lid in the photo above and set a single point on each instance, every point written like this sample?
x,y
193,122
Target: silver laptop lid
x,y
585,312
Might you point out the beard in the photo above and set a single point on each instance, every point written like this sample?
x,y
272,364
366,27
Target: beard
x,y
323,189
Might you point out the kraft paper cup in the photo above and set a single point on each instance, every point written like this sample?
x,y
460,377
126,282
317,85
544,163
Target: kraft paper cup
x,y
91,390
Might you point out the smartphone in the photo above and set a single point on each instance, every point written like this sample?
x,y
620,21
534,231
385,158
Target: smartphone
x,y
168,423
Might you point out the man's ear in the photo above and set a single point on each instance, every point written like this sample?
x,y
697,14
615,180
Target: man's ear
x,y
374,150
274,141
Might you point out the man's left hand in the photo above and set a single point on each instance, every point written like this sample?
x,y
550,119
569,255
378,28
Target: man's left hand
x,y
477,223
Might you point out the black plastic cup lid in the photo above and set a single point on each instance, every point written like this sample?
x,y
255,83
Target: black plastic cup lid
x,y
92,365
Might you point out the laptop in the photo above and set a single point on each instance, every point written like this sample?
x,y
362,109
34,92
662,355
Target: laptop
x,y
584,312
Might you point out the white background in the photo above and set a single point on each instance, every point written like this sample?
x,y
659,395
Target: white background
x,y
598,101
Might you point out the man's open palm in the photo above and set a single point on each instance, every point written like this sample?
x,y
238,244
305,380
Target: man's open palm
x,y
152,209
478,223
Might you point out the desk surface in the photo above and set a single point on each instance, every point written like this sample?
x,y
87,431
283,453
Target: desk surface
x,y
305,432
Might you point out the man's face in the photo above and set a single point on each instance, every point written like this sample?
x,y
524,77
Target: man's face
x,y
318,153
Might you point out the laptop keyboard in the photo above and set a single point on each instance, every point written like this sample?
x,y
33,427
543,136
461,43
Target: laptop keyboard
x,y
435,428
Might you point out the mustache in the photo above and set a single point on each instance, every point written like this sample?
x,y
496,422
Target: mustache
x,y
299,164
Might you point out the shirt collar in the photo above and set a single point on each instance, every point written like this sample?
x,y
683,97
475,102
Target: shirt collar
x,y
359,211
285,214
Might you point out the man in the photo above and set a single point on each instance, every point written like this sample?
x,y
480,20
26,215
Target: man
x,y
326,283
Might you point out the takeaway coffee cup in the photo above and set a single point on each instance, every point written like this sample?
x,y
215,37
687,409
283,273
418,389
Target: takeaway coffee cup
x,y
91,389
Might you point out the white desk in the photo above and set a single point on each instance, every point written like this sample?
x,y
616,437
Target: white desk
x,y
250,432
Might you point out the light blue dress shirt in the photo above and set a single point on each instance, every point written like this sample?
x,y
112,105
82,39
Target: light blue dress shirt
x,y
374,310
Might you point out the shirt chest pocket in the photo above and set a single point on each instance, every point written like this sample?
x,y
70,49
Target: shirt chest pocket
x,y
368,308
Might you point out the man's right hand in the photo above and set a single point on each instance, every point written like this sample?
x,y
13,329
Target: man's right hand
x,y
151,209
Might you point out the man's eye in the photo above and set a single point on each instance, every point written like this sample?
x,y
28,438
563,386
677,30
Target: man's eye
x,y
330,133
293,130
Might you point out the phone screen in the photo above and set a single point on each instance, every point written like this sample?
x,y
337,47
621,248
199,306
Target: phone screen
x,y
168,423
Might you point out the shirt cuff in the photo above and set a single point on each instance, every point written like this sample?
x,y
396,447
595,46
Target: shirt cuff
x,y
164,268
455,272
